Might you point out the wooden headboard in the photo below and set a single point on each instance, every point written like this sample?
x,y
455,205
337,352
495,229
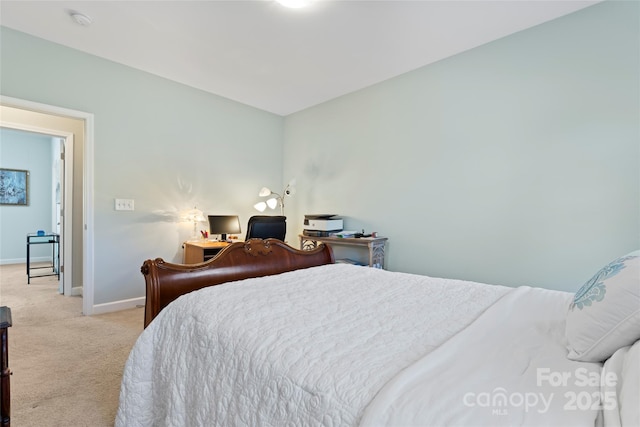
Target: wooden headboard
x,y
254,258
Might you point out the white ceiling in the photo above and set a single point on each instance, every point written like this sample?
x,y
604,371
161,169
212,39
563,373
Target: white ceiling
x,y
277,59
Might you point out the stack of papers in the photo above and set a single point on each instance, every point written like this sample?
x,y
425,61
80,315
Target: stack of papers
x,y
344,234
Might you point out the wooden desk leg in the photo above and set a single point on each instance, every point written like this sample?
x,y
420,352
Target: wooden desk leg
x,y
5,401
5,409
5,392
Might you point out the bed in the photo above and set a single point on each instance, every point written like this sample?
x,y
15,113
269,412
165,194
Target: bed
x,y
267,335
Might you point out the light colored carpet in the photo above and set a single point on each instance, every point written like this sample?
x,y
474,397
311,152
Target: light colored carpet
x,y
66,367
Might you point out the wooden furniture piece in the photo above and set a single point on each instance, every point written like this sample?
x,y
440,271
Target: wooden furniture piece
x,y
5,400
241,260
198,251
375,245
52,239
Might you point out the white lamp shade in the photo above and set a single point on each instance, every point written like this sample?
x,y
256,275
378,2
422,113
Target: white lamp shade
x,y
272,203
290,190
260,206
195,215
264,192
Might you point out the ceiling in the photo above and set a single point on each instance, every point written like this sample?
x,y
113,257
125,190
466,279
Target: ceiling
x,y
273,58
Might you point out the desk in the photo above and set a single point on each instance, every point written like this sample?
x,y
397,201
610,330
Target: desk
x,y
52,239
5,401
375,245
201,250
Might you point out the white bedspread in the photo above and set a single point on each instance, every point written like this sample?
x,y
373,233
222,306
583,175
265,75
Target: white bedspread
x,y
309,347
508,368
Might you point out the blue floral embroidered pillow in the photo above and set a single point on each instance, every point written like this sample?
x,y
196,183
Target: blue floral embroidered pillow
x,y
605,312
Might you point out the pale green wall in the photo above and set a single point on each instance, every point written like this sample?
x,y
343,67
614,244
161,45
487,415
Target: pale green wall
x,y
163,144
514,163
31,152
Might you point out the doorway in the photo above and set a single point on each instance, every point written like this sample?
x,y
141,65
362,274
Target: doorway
x,y
42,157
76,128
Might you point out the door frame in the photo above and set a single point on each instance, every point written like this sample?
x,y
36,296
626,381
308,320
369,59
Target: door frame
x,y
87,188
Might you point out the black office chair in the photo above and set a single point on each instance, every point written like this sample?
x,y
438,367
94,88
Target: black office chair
x,y
266,226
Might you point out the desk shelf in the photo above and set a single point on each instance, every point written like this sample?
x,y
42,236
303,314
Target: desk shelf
x,y
198,251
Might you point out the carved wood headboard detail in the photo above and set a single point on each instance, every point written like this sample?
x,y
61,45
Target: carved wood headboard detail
x,y
241,260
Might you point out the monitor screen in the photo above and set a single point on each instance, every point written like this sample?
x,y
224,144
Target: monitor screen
x,y
223,225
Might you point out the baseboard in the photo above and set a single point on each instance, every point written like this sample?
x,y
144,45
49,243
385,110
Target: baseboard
x,y
118,305
24,260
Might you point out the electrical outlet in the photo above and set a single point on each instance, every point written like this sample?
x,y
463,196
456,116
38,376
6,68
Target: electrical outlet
x,y
124,204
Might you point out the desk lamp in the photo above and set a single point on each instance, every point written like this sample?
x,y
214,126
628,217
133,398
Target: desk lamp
x,y
195,215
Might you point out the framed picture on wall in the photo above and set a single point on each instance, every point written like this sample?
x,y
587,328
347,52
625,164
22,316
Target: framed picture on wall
x,y
14,187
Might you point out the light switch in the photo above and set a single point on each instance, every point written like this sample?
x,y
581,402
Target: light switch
x,y
124,204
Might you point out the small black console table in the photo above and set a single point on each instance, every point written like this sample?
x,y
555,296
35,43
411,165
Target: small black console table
x,y
52,239
5,395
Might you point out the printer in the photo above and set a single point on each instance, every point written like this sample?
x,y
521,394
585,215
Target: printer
x,y
321,225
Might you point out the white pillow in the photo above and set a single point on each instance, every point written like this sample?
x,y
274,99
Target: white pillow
x,y
605,312
620,388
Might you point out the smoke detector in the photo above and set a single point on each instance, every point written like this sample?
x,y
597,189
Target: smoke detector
x,y
80,18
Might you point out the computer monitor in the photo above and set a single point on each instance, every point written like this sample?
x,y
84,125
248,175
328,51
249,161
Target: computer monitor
x,y
223,225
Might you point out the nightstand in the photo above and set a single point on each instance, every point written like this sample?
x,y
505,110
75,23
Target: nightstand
x,y
5,373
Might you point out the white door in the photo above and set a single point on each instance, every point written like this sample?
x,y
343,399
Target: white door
x,y
58,206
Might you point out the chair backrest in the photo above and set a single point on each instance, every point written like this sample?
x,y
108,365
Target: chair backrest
x,y
267,226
